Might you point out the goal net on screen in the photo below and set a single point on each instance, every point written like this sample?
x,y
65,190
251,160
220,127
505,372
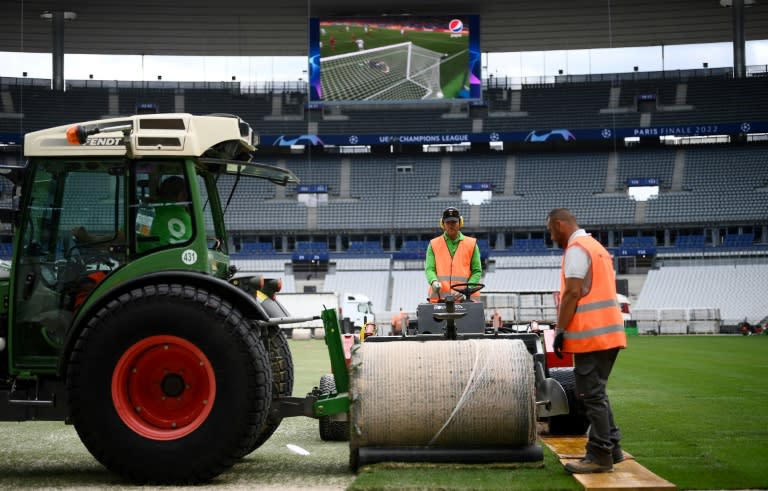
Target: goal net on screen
x,y
398,71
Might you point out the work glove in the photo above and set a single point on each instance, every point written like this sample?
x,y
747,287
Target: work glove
x,y
557,344
459,297
436,286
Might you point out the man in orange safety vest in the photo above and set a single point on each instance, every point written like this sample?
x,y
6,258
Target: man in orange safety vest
x,y
589,325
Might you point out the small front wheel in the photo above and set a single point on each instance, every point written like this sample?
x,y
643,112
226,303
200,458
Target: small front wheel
x,y
575,422
332,428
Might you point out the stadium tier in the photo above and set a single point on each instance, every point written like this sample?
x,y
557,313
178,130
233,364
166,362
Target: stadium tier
x,y
29,104
700,244
707,191
386,196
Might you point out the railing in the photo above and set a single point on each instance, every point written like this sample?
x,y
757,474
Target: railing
x,y
681,75
248,87
239,87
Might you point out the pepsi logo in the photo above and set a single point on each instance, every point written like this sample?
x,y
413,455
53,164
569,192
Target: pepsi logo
x,y
456,26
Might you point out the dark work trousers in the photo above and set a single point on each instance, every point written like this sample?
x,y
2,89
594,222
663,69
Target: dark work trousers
x,y
591,373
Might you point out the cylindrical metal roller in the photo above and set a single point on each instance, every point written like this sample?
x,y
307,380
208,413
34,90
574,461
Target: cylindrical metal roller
x,y
476,393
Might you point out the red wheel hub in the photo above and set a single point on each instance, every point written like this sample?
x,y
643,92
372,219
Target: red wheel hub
x,y
163,387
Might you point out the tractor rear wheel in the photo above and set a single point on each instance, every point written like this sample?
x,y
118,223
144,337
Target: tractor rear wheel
x,y
167,384
575,422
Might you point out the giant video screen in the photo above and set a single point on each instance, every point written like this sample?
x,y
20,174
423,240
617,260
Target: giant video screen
x,y
379,59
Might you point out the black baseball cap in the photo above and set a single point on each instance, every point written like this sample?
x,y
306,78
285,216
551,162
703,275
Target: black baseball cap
x,y
451,215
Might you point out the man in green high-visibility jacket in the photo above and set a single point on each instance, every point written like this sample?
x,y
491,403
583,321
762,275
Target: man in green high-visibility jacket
x,y
452,258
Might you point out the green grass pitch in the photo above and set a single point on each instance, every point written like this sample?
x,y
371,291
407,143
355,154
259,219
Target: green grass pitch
x,y
692,410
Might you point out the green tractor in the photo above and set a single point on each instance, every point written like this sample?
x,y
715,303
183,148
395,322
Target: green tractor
x,y
120,315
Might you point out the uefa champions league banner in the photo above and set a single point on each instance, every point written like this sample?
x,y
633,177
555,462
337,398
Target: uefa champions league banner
x,y
532,136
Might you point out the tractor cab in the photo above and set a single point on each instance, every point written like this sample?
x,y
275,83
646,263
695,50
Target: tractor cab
x,y
110,201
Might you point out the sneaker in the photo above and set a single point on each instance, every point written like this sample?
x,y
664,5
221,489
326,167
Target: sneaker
x,y
587,466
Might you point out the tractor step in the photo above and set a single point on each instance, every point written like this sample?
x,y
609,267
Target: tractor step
x,y
626,476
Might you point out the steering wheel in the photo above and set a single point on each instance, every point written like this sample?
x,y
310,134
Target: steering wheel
x,y
467,289
88,254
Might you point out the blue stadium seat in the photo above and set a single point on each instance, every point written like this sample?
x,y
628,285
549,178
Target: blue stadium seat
x,y
738,241
364,247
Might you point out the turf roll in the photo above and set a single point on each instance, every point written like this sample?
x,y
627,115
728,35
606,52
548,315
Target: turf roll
x,y
443,395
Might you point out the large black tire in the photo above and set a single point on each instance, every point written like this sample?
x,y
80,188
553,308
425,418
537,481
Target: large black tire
x,y
575,422
167,384
331,429
281,363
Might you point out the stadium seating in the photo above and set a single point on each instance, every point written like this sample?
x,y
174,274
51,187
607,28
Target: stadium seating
x,y
709,193
738,241
272,267
738,290
348,262
6,250
129,100
365,248
639,163
409,288
529,247
715,99
252,107
712,200
251,249
690,242
310,247
37,107
412,249
465,169
562,105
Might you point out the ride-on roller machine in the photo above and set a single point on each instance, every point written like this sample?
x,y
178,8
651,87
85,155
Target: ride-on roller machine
x,y
458,395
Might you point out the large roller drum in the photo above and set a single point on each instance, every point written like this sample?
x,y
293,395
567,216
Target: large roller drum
x,y
442,401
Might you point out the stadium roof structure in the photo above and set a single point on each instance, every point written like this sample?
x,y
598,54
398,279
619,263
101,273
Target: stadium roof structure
x,y
253,28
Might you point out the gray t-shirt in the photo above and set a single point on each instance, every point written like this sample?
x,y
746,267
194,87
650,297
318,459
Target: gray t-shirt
x,y
578,263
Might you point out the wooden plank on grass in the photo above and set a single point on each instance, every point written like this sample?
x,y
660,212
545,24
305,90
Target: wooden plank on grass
x,y
570,447
628,475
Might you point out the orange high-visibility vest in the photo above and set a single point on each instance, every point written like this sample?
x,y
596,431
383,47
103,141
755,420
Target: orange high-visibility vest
x,y
597,323
452,270
87,284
